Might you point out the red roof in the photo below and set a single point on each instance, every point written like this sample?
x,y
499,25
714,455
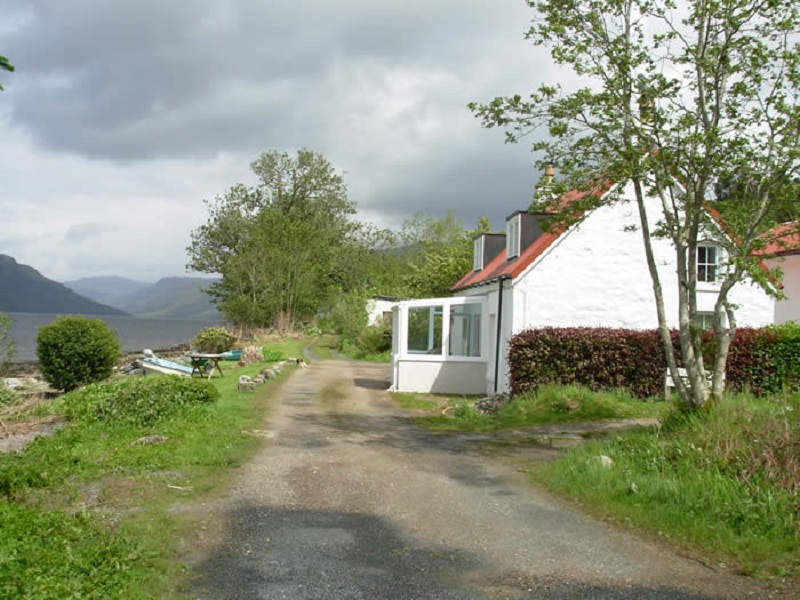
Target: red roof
x,y
784,240
500,267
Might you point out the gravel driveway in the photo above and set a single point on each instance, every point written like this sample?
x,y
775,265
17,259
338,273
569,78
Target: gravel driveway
x,y
348,499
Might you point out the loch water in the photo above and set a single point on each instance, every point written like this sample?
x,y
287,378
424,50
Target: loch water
x,y
134,333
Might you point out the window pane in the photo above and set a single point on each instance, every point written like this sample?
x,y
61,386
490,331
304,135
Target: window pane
x,y
465,330
425,330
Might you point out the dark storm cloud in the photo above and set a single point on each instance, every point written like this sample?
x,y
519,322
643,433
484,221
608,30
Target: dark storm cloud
x,y
137,80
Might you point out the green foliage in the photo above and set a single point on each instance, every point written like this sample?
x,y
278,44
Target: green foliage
x,y
724,481
213,340
6,343
439,252
6,66
762,360
139,401
50,555
271,354
550,404
286,247
75,350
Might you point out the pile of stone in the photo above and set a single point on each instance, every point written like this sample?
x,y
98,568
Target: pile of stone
x,y
246,383
490,405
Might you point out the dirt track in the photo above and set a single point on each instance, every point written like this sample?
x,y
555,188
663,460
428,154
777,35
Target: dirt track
x,y
349,500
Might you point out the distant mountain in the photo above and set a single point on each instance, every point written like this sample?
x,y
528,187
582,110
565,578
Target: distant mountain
x,y
168,298
23,289
108,290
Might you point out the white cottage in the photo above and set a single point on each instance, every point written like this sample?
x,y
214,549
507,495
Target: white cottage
x,y
784,253
592,274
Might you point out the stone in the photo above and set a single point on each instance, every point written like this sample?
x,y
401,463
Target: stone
x,y
247,384
259,379
150,439
605,461
268,373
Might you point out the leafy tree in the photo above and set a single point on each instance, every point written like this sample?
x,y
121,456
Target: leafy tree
x,y
676,99
285,247
6,66
439,253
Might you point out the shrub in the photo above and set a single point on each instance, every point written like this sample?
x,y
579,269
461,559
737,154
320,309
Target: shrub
x,y
138,400
75,350
214,340
762,360
272,354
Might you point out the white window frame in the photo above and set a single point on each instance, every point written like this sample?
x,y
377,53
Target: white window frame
x,y
477,260
444,304
704,266
706,320
513,236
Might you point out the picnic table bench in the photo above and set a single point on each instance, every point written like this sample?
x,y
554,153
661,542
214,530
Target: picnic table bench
x,y
200,362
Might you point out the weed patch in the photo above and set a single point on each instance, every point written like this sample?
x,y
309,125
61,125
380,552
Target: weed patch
x,y
724,482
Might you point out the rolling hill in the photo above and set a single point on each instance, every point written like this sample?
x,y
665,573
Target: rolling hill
x,y
23,289
168,298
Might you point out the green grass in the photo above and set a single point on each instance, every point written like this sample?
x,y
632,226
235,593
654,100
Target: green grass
x,y
324,346
289,347
552,404
84,513
722,483
414,401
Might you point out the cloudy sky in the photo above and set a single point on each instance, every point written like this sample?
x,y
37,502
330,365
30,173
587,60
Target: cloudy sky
x,y
124,115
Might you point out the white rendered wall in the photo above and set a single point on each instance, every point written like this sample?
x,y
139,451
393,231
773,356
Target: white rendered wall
x,y
376,308
789,308
439,377
596,275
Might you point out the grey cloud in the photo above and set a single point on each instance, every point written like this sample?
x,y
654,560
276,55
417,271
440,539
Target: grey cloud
x,y
81,232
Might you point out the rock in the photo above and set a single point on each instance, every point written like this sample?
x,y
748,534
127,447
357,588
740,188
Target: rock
x,y
252,354
259,379
605,461
268,373
245,383
242,362
150,439
490,405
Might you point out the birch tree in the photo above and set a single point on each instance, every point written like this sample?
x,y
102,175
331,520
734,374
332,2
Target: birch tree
x,y
678,99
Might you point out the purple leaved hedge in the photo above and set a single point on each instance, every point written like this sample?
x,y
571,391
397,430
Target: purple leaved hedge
x,y
763,360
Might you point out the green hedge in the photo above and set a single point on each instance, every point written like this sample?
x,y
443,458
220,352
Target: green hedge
x,y
763,360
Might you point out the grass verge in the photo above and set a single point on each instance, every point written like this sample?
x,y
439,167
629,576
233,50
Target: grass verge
x,y
85,513
724,483
551,404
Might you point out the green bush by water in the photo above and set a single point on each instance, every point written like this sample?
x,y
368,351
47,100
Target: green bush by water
x,y
75,350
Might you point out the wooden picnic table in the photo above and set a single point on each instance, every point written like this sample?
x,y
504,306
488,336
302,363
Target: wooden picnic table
x,y
200,360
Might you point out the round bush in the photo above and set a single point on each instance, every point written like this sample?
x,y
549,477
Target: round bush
x,y
213,340
75,350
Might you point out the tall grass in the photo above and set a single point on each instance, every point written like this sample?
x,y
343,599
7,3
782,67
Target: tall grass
x,y
725,481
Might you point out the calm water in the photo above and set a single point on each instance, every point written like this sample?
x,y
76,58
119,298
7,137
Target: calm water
x,y
134,334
